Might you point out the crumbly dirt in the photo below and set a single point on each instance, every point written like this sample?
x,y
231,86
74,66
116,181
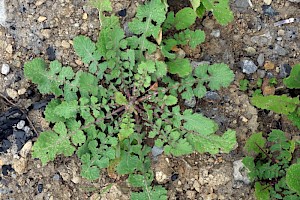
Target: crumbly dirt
x,y
46,28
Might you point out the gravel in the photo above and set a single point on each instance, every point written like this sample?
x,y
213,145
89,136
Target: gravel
x,y
5,68
190,103
280,50
248,66
261,59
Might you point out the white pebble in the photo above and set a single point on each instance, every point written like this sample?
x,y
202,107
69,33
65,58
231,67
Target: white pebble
x,y
21,124
5,69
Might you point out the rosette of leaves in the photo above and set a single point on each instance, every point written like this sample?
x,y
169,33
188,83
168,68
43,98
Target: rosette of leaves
x,y
283,104
270,166
106,112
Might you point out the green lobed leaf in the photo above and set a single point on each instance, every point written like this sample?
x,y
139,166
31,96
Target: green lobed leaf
x,y
198,123
249,163
101,5
181,147
279,104
262,191
67,109
157,193
180,66
220,10
170,100
136,180
293,81
85,48
120,98
52,143
213,144
293,177
191,38
185,18
47,81
220,76
255,143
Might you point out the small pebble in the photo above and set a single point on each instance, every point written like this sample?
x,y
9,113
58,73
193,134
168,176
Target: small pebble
x,y
284,70
261,59
156,151
41,18
9,49
5,69
12,93
174,177
40,188
84,16
21,91
216,33
65,44
21,124
250,50
268,2
190,103
280,50
281,32
122,13
26,129
269,65
248,66
56,177
51,53
261,73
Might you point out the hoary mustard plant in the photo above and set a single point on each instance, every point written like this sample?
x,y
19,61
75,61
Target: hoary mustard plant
x,y
130,92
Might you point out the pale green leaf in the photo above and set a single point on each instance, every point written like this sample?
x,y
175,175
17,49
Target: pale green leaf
x,y
180,66
279,104
293,177
220,76
67,109
170,100
293,81
198,123
120,98
220,10
185,18
255,143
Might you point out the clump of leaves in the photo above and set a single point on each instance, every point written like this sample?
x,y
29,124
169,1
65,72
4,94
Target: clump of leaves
x,y
129,93
283,104
270,166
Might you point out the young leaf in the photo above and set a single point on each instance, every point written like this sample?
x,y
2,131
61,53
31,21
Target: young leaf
x,y
220,76
213,143
67,109
293,81
191,38
249,163
262,191
198,123
52,143
120,99
293,177
279,104
85,48
185,18
157,193
220,10
180,66
170,100
255,143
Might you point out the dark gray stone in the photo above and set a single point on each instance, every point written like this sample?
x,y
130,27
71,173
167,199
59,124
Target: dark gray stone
x,y
284,70
212,96
261,73
241,5
261,59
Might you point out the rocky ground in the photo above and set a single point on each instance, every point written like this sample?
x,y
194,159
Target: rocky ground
x,y
253,45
